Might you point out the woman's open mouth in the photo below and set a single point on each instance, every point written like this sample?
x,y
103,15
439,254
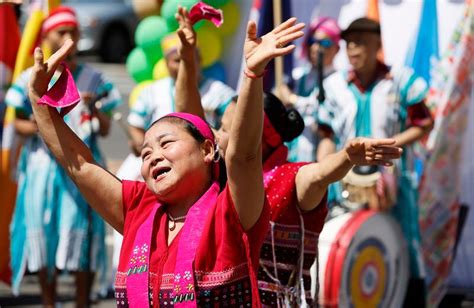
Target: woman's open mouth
x,y
160,172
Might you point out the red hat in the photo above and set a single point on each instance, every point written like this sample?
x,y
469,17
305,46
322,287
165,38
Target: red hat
x,y
60,16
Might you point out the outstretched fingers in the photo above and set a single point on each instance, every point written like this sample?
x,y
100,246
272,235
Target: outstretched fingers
x,y
39,59
182,16
291,30
54,61
380,142
289,38
251,30
288,23
284,50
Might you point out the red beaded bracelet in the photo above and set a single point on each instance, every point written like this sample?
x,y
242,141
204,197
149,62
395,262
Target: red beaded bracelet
x,y
252,75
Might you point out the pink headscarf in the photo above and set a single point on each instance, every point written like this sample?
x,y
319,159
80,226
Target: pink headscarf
x,y
327,25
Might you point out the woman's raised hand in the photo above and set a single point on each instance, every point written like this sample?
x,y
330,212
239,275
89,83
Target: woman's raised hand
x,y
44,71
258,51
186,34
366,151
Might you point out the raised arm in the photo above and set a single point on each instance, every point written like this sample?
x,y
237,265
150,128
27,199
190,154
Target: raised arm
x,y
313,180
244,153
100,188
187,98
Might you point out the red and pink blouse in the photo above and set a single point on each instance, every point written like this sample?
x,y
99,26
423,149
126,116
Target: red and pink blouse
x,y
291,245
223,268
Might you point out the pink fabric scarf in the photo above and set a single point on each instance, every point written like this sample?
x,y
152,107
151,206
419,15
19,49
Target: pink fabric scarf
x,y
202,10
184,291
63,94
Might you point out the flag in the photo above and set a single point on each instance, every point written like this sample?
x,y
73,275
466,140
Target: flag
x,y
439,208
374,14
9,40
422,56
373,10
262,13
424,48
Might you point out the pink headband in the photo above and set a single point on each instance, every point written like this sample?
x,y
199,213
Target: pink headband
x,y
200,124
61,16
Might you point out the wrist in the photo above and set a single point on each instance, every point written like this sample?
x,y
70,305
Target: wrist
x,y
254,74
188,59
348,157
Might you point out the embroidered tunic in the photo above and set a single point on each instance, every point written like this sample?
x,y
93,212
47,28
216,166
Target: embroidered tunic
x,y
285,245
221,265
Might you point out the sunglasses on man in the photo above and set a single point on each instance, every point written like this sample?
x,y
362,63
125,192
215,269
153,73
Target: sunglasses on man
x,y
325,42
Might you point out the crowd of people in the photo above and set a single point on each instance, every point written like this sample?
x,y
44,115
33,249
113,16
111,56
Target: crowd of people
x,y
223,196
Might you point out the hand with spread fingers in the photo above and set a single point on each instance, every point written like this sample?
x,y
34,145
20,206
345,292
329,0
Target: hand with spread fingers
x,y
258,51
44,71
366,151
186,34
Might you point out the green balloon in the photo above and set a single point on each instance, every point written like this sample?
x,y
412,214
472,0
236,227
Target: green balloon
x,y
139,66
150,32
153,54
216,3
170,8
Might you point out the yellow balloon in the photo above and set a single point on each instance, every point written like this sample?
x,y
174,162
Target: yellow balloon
x,y
209,44
231,12
160,70
144,8
136,92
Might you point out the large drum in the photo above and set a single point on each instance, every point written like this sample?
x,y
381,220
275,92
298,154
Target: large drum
x,y
363,261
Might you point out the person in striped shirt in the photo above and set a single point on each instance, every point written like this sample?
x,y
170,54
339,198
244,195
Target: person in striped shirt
x,y
53,226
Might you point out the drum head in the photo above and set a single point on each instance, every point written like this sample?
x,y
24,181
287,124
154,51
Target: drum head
x,y
366,263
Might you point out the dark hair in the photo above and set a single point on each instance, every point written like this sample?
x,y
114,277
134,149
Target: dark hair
x,y
190,128
287,122
362,24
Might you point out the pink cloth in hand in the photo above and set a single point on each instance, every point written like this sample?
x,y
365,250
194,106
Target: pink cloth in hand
x,y
202,10
63,94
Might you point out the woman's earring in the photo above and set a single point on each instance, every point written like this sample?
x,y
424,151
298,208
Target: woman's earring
x,y
217,154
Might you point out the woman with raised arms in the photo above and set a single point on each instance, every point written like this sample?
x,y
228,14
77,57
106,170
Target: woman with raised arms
x,y
295,192
185,241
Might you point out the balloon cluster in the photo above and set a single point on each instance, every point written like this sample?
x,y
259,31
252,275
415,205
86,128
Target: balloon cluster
x,y
146,61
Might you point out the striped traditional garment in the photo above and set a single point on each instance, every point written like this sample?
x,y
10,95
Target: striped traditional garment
x,y
50,226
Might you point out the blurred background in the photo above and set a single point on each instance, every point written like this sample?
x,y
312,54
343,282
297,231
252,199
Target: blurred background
x,y
122,39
